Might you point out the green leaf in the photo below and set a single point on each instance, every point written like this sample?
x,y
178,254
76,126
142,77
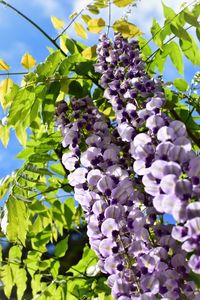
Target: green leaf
x,y
5,88
57,23
61,247
145,48
168,12
173,50
28,61
43,158
48,105
86,18
17,220
58,168
4,134
4,185
191,51
123,3
80,31
75,88
93,9
69,211
37,206
190,19
90,52
126,28
198,33
3,65
155,31
181,84
15,254
7,278
89,258
20,280
180,32
96,25
21,135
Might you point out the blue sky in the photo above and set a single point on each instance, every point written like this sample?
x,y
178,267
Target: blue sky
x,y
18,37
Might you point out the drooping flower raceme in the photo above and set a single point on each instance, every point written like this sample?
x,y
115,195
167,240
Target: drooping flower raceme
x,y
142,259
161,150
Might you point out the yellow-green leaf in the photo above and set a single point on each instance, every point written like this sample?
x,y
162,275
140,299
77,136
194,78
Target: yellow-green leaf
x,y
20,281
123,3
7,278
21,134
90,52
3,65
5,88
57,23
80,31
4,134
28,61
126,28
63,39
96,25
86,18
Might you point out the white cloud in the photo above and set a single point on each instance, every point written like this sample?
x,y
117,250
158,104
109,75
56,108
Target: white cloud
x,y
50,7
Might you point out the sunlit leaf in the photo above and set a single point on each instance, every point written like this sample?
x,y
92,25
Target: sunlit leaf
x,y
198,33
96,25
155,31
61,247
20,280
80,31
168,12
73,15
5,87
4,66
17,220
181,84
90,52
62,42
21,134
86,18
191,51
180,32
123,3
145,48
126,28
4,135
176,56
190,19
93,9
57,23
7,278
28,61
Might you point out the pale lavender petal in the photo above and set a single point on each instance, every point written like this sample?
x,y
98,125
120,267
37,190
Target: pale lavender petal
x,y
108,226
165,133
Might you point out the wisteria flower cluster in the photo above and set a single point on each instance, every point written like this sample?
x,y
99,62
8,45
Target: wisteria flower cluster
x,y
160,146
127,176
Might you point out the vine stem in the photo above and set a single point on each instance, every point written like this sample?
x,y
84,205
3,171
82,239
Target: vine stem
x,y
13,73
109,17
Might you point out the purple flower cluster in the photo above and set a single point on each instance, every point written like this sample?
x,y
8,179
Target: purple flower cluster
x,y
137,251
161,151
